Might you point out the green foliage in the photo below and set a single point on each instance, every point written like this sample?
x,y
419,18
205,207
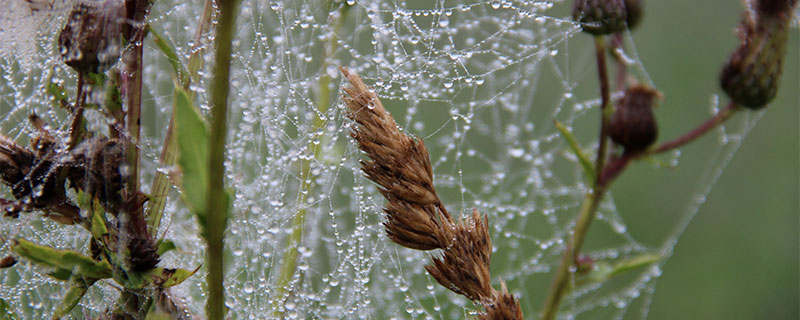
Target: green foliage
x,y
65,263
192,138
165,246
76,291
588,167
172,57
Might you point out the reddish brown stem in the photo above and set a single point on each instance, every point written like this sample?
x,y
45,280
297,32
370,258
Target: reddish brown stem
x,y
599,44
616,43
712,123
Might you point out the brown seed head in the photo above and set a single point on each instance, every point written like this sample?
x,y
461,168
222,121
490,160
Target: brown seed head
x,y
503,307
399,164
464,265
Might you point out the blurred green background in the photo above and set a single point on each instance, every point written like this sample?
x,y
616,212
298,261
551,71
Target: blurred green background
x,y
738,259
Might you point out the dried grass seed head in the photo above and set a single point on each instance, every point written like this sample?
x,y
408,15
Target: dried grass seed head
x,y
464,265
399,164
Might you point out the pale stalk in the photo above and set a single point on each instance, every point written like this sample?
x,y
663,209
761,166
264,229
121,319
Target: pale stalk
x,y
289,263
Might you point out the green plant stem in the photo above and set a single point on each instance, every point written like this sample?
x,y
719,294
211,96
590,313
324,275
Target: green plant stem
x,y
560,284
289,263
216,202
558,288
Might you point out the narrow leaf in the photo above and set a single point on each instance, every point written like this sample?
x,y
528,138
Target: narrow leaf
x,y
174,60
192,137
165,278
165,246
161,182
76,291
66,263
588,168
604,270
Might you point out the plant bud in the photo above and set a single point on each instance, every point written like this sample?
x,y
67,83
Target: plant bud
x,y
633,125
634,12
8,262
599,17
91,41
752,74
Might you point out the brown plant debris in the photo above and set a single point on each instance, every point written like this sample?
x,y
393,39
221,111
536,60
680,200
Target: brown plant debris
x,y
415,217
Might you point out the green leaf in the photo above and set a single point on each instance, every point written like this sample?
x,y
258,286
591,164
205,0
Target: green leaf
x,y
6,311
99,228
113,98
174,60
161,182
165,278
58,95
156,315
603,271
165,246
192,137
588,168
76,291
66,263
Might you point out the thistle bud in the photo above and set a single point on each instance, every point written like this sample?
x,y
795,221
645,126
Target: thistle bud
x,y
752,74
91,39
633,125
599,17
634,12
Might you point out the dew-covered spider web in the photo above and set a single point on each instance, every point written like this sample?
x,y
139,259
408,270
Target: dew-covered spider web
x,y
479,81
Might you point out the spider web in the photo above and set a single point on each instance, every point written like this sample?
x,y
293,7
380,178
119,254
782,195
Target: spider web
x,y
479,81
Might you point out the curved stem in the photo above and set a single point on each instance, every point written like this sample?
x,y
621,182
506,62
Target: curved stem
x,y
558,287
702,129
216,201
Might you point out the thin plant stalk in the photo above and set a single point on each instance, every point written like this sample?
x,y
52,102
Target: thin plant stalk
x,y
216,202
605,114
702,129
289,263
133,92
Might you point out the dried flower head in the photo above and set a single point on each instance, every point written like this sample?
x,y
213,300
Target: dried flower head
x,y
752,73
633,125
91,41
